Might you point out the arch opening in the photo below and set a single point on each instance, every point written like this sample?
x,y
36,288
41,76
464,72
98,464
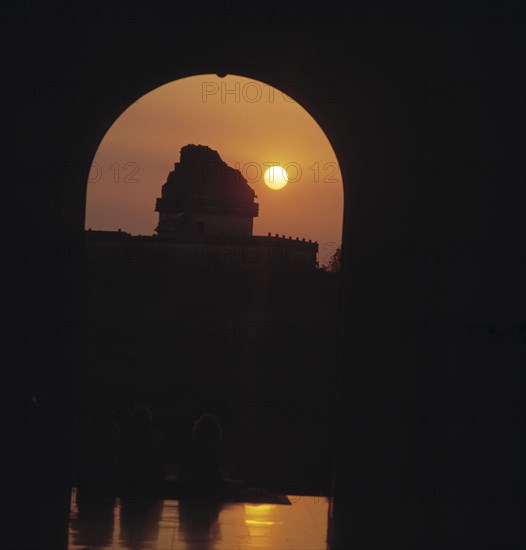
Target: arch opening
x,y
213,224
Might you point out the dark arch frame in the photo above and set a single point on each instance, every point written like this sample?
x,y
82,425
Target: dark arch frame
x,y
382,114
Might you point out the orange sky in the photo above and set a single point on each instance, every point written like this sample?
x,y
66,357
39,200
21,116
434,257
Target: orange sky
x,y
249,123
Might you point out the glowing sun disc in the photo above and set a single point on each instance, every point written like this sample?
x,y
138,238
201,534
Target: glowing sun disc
x,y
276,177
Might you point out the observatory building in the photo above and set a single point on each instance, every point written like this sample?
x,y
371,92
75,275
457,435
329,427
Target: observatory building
x,y
203,196
206,214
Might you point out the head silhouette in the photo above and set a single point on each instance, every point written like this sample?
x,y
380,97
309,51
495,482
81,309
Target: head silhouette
x,y
142,416
207,428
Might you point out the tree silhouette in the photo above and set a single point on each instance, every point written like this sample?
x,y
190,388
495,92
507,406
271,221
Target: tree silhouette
x,y
334,264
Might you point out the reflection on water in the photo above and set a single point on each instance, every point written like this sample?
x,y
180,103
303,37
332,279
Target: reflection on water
x,y
199,527
96,520
188,525
261,514
140,522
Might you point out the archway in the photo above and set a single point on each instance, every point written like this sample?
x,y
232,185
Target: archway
x,y
254,344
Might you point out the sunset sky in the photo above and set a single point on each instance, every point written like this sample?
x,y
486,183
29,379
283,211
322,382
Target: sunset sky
x,y
249,123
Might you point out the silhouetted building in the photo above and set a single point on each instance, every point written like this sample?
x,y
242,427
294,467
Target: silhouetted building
x,y
206,215
204,196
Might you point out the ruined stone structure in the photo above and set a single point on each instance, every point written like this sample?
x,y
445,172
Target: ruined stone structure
x,y
206,213
203,196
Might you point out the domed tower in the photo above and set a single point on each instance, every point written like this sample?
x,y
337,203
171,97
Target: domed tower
x,y
203,196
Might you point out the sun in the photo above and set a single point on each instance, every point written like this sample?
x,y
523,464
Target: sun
x,y
276,177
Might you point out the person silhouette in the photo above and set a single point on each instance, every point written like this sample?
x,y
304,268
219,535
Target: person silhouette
x,y
202,468
202,474
97,458
142,456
